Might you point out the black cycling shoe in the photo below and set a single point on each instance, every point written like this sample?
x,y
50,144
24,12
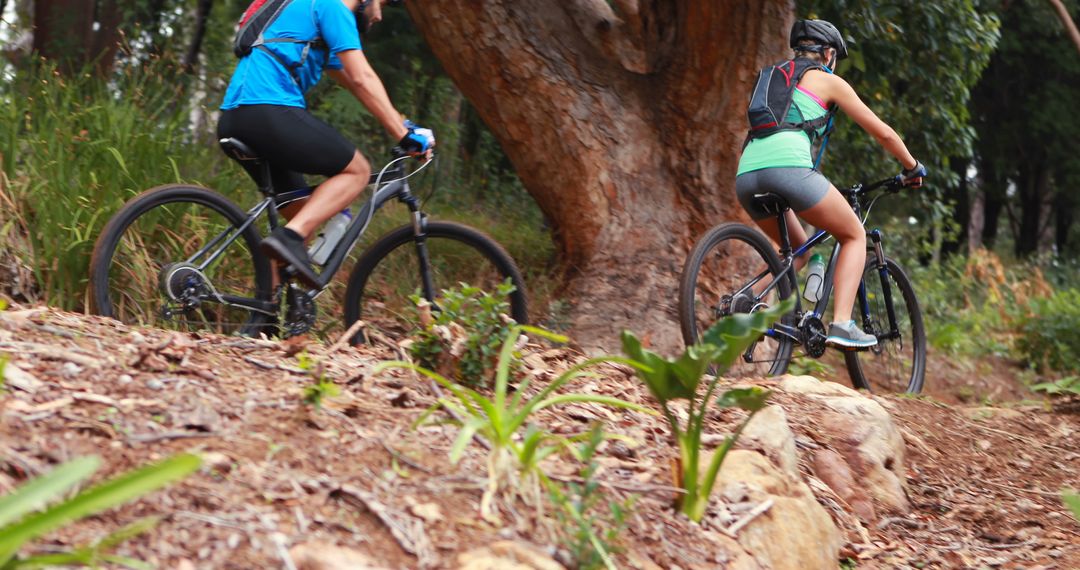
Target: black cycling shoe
x,y
288,247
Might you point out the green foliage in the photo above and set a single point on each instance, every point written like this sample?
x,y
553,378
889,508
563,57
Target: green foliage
x,y
3,366
680,379
590,535
1050,338
463,337
74,148
1069,386
914,64
502,418
23,516
1072,500
320,387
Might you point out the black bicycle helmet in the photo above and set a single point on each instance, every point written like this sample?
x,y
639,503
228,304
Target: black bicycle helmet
x,y
819,31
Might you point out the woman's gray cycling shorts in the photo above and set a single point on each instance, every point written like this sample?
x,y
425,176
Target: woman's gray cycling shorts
x,y
801,187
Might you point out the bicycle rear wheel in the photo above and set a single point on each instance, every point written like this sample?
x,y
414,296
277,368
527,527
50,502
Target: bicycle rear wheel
x,y
898,362
175,257
389,272
725,261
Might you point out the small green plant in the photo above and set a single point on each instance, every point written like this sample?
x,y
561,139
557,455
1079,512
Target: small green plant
x,y
3,367
320,387
589,534
461,340
515,446
810,367
680,378
1067,386
22,518
1072,500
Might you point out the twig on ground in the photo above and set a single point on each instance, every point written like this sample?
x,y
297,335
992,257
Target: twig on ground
x,y
346,338
155,437
283,552
745,520
1022,490
271,366
407,531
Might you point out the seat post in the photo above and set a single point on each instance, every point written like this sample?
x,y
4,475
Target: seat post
x,y
785,239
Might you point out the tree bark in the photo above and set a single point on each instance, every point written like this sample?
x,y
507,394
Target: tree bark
x,y
64,32
624,120
202,16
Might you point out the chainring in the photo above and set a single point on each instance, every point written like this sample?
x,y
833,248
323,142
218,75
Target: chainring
x,y
814,335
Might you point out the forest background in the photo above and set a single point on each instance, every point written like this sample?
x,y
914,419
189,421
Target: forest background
x,y
102,99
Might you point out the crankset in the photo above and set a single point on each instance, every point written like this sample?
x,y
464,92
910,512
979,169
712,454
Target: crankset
x,y
813,333
300,311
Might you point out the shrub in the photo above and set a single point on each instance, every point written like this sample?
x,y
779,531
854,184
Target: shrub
x,y
461,340
1050,337
502,419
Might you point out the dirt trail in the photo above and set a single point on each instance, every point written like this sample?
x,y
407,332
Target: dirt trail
x,y
984,482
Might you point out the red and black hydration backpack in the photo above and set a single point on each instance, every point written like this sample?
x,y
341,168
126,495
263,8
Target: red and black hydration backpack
x,y
251,30
772,97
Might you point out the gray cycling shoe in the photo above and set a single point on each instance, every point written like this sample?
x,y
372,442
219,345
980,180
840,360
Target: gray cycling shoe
x,y
848,335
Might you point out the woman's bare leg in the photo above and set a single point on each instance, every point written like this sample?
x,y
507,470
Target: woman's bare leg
x,y
834,215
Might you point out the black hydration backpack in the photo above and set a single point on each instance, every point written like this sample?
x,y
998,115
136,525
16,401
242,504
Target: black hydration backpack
x,y
251,30
771,101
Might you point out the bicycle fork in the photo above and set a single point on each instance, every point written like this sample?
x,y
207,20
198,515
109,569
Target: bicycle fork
x,y
419,223
886,291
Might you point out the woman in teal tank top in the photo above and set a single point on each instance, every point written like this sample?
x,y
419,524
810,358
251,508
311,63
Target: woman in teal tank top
x,y
782,164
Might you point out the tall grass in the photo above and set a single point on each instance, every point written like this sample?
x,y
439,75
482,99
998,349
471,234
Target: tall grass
x,y
74,148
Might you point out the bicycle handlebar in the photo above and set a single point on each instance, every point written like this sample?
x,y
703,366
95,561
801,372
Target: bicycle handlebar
x,y
892,184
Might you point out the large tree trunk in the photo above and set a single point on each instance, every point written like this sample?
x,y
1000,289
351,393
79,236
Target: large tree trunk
x,y
624,120
74,33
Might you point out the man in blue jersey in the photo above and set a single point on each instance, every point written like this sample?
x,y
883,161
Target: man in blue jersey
x,y
264,107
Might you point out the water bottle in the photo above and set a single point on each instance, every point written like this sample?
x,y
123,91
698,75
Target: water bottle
x,y
329,236
815,278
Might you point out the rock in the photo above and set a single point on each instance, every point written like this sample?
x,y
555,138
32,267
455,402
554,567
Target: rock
x,y
506,555
324,556
813,386
769,433
795,532
833,470
863,433
986,412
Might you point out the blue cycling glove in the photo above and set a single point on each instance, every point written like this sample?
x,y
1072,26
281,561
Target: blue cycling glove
x,y
417,141
909,174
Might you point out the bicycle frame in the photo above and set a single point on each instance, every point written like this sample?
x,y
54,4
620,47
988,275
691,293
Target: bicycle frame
x,y
788,256
397,187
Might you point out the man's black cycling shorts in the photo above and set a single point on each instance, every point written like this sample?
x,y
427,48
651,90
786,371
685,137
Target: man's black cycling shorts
x,y
291,139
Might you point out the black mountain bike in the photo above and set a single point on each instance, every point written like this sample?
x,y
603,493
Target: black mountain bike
x,y
187,258
728,263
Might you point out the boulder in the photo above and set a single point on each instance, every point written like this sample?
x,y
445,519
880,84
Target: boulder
x,y
862,432
794,533
325,556
506,555
769,433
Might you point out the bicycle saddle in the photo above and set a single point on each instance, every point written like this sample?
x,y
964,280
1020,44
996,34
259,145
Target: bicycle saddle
x,y
237,150
771,203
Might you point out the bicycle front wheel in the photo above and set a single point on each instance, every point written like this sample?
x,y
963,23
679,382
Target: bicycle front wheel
x,y
716,281
898,362
181,257
391,271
